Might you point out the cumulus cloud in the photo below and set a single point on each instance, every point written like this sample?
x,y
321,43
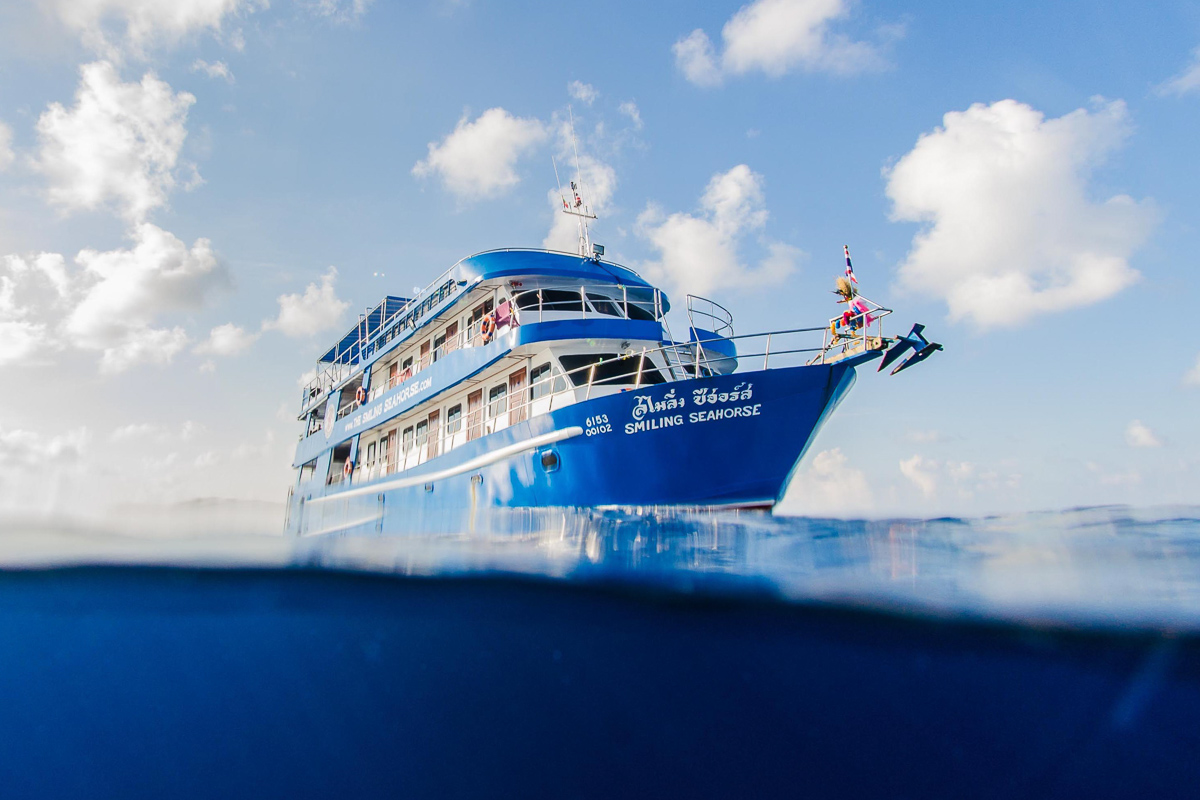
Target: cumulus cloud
x,y
699,252
828,486
630,109
1139,435
6,151
119,144
1193,375
217,69
776,37
117,27
26,284
227,340
124,291
26,450
1186,81
19,340
318,309
1008,228
478,159
922,472
583,92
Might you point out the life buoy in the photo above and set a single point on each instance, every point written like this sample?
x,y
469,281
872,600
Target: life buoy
x,y
406,374
487,328
361,396
348,468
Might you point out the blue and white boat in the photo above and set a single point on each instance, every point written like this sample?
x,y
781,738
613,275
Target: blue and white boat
x,y
530,378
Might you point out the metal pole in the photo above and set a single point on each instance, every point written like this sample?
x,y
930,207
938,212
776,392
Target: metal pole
x,y
767,354
637,384
591,377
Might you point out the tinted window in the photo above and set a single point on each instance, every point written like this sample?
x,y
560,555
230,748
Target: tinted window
x,y
454,419
605,305
611,369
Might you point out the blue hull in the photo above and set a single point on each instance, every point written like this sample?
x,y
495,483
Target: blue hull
x,y
731,440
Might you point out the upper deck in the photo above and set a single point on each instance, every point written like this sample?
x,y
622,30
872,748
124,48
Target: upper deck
x,y
396,320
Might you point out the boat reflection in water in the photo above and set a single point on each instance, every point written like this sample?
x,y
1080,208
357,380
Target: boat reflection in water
x,y
539,653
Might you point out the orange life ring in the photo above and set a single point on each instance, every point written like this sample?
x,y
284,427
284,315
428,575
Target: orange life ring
x,y
361,396
487,328
406,374
348,468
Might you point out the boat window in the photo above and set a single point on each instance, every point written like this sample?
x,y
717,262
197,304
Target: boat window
x,y
605,305
498,400
561,300
439,344
641,304
306,471
371,453
526,300
611,369
406,440
539,381
422,432
454,419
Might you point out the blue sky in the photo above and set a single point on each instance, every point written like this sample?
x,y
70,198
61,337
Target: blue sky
x,y
178,179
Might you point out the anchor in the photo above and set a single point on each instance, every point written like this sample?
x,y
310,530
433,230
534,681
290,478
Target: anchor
x,y
914,340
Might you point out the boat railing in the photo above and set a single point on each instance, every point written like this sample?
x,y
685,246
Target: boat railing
x,y
708,315
679,361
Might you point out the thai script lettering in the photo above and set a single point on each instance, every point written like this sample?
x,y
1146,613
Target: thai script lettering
x,y
742,392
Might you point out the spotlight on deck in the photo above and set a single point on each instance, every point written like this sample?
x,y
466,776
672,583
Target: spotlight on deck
x,y
597,250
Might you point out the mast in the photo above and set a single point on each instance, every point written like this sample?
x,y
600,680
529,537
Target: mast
x,y
575,206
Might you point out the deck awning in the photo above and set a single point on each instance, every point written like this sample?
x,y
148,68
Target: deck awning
x,y
349,349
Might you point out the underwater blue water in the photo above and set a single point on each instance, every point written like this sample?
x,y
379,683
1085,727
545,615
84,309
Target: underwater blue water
x,y
607,653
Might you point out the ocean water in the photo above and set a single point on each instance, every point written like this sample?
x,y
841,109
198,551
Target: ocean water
x,y
602,653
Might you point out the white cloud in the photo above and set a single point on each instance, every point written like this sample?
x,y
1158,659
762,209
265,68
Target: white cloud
x,y
583,92
925,437
1008,229
26,285
19,339
478,159
630,109
1185,82
6,151
318,309
119,144
775,37
226,340
699,253
922,472
1139,435
217,69
26,450
135,431
114,27
695,59
126,290
829,485
339,10
1193,375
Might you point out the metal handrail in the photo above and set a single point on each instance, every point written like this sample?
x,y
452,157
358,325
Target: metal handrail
x,y
445,441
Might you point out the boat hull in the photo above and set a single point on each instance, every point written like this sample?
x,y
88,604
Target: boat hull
x,y
731,440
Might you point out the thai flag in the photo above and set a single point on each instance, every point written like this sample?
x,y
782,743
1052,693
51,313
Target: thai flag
x,y
849,266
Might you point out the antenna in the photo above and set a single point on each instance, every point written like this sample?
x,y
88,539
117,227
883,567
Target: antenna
x,y
575,207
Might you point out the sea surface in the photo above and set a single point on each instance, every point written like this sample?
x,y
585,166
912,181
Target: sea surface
x,y
604,653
